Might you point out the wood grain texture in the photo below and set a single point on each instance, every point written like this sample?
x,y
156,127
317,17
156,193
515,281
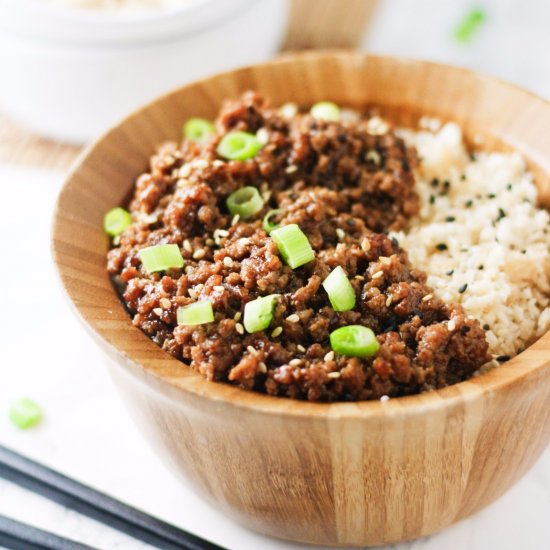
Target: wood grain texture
x,y
345,473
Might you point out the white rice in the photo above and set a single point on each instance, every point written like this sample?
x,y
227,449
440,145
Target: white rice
x,y
499,246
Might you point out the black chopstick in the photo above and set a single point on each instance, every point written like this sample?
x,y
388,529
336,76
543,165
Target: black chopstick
x,y
94,504
20,536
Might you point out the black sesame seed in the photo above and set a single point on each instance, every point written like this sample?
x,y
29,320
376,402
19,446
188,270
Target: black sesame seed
x,y
441,246
342,138
509,187
501,214
450,272
446,184
464,329
468,203
481,267
491,196
394,242
405,165
503,358
463,288
524,251
450,219
486,327
435,182
472,157
462,177
432,199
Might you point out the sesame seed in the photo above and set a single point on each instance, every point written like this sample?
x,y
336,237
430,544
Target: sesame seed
x,y
237,316
336,374
228,262
365,245
199,254
359,277
291,169
200,163
165,303
235,219
276,332
192,292
239,328
384,398
221,232
245,241
116,240
301,348
486,327
450,272
262,367
432,199
295,362
294,318
187,246
468,203
185,171
262,136
329,356
340,233
219,288
451,325
384,260
157,311
378,274
503,358
441,247
389,300
463,288
427,297
209,242
374,157
266,195
450,219
218,163
251,350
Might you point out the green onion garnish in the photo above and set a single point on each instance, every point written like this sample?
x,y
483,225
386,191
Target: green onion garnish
x,y
239,146
339,290
116,221
198,129
160,257
293,245
469,25
198,313
25,413
325,110
267,225
258,313
354,341
245,202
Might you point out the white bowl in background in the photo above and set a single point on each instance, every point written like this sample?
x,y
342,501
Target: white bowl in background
x,y
70,74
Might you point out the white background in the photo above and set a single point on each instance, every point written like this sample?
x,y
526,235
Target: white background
x,y
86,433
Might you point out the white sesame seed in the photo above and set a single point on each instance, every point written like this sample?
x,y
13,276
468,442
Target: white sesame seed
x,y
228,262
340,233
209,242
376,126
200,163
239,328
378,274
291,169
192,292
389,300
219,288
199,254
266,195
199,287
262,135
360,277
294,318
237,316
251,350
116,240
295,362
185,170
365,245
374,157
385,398
262,367
183,182
165,303
329,356
276,332
336,374
157,311
218,163
245,241
301,348
221,232
451,325
264,186
384,260
288,110
427,297
235,219
187,246
168,159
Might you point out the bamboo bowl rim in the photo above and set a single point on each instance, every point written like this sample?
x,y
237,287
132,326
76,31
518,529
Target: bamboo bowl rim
x,y
112,328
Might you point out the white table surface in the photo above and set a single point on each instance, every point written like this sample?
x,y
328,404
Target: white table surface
x,y
87,433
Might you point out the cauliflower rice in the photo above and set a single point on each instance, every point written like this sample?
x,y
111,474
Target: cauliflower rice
x,y
480,236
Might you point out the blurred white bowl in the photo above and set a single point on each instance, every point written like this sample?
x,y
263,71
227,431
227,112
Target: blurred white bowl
x,y
70,74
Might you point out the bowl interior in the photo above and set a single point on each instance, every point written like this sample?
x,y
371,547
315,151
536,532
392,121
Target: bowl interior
x,y
501,115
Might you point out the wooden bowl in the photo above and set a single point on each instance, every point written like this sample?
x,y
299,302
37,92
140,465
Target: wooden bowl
x,y
362,473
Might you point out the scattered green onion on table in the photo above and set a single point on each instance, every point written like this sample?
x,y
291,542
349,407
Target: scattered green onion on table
x,y
245,202
25,413
293,245
161,257
469,26
239,146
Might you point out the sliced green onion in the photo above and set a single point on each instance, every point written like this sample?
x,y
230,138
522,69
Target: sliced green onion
x,y
354,341
293,245
239,146
469,25
339,290
267,224
25,413
245,202
116,221
325,110
160,257
258,313
198,129
198,313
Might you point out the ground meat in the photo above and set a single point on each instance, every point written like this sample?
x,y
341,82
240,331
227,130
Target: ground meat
x,y
346,188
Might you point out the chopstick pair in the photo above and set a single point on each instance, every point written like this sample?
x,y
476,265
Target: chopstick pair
x,y
59,488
